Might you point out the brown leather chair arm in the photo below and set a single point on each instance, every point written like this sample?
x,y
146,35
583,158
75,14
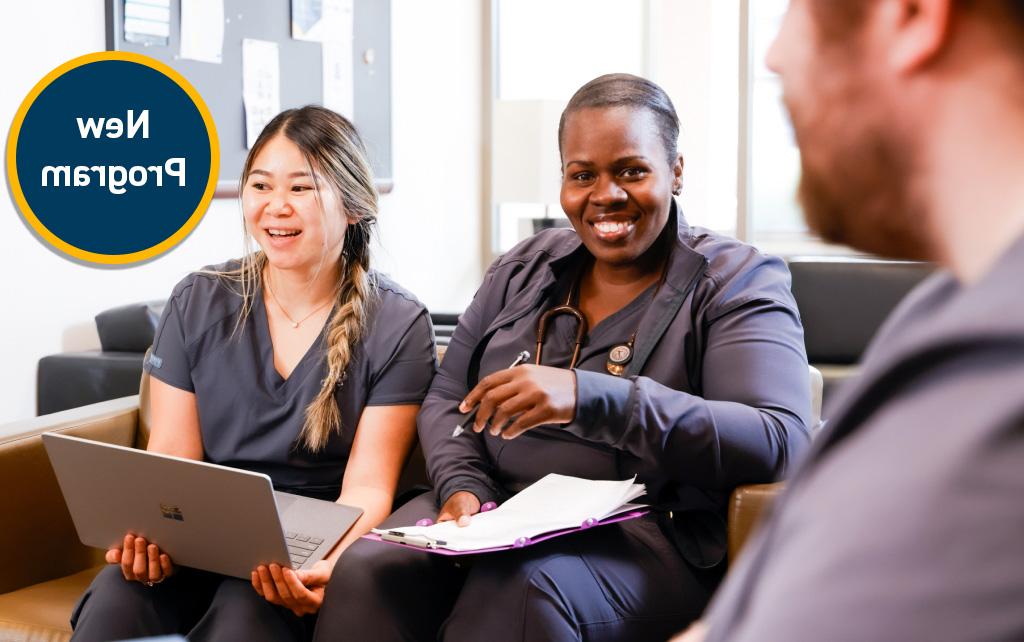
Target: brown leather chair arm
x,y
38,541
747,506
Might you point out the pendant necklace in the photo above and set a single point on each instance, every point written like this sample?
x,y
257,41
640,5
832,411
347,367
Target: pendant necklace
x,y
295,324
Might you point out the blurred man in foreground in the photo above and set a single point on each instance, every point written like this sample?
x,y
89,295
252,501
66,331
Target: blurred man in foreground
x,y
907,520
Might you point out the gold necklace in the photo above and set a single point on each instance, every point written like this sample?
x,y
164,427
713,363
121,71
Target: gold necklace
x,y
295,324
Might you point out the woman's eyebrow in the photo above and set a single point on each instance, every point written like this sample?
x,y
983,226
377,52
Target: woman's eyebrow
x,y
300,174
578,162
630,159
617,161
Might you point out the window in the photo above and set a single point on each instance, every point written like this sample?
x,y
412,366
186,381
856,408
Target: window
x,y
689,48
774,157
742,165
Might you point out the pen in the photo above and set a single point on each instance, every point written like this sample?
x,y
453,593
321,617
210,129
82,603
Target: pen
x,y
460,428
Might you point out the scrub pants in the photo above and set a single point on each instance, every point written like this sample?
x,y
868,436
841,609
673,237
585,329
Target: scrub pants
x,y
622,581
196,604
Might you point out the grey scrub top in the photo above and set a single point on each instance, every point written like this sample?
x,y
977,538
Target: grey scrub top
x,y
577,457
250,416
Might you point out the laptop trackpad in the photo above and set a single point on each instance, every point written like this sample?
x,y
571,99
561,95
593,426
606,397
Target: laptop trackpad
x,y
316,518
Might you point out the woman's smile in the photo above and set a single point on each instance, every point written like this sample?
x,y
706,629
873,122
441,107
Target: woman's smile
x,y
613,229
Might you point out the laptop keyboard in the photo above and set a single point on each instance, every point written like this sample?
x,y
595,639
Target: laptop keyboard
x,y
300,547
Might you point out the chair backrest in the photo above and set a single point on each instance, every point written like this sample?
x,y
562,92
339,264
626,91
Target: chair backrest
x,y
843,302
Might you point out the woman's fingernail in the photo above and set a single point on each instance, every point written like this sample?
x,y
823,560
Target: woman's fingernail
x,y
463,408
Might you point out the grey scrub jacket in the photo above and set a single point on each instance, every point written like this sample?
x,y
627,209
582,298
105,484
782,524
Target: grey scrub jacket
x,y
716,395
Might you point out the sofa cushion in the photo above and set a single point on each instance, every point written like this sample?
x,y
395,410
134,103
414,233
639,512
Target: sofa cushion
x,y
43,611
129,328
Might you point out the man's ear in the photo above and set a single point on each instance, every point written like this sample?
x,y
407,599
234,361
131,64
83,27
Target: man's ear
x,y
919,30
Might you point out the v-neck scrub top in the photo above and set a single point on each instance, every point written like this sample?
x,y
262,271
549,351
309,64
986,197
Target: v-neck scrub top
x,y
250,416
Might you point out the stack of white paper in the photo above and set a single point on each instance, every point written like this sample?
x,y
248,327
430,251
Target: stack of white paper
x,y
554,503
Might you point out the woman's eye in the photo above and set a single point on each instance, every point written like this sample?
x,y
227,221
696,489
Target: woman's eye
x,y
582,177
634,172
259,186
301,188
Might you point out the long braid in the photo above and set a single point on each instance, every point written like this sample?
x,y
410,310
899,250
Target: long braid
x,y
344,330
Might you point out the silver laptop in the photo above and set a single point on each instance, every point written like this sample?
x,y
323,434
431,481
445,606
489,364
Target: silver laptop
x,y
206,516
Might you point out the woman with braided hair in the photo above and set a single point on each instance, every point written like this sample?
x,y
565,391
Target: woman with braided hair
x,y
297,361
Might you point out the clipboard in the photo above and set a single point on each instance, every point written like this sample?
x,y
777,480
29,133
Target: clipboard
x,y
428,545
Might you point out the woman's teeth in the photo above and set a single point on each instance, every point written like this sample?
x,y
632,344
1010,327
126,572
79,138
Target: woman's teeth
x,y
280,233
612,227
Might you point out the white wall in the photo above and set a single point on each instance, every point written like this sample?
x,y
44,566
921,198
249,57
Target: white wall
x,y
430,225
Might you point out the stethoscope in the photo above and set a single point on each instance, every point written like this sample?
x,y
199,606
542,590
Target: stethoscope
x,y
620,354
581,329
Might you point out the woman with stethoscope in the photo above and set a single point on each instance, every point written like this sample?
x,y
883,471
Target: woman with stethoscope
x,y
657,350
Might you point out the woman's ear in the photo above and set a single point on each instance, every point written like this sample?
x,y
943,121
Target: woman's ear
x,y
677,171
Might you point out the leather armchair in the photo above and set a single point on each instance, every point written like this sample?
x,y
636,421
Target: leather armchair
x,y
44,567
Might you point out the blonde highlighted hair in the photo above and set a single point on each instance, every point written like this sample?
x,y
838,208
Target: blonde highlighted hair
x,y
335,152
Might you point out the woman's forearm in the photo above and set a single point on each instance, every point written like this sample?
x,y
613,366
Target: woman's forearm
x,y
376,505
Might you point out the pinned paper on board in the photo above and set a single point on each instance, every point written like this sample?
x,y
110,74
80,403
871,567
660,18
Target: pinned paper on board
x,y
322,20
147,22
339,94
261,86
202,30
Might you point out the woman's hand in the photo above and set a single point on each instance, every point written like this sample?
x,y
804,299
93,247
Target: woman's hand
x,y
523,397
460,507
141,561
301,592
696,633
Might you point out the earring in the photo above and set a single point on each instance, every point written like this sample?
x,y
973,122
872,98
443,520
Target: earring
x,y
677,190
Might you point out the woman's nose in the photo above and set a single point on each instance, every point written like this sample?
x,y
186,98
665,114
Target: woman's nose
x,y
279,205
608,192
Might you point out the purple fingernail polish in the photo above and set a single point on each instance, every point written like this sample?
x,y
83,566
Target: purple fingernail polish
x,y
426,521
521,542
587,523
488,506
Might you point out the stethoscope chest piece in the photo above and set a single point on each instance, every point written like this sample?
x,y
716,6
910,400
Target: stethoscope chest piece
x,y
619,357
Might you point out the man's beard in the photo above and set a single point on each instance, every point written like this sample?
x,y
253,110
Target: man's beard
x,y
864,196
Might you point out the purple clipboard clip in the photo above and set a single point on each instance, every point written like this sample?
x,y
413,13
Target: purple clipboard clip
x,y
396,538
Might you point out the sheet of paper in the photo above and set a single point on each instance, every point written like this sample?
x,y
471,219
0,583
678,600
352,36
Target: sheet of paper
x,y
553,503
261,85
147,22
337,78
202,30
322,20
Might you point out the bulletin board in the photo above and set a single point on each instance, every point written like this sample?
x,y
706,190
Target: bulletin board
x,y
220,85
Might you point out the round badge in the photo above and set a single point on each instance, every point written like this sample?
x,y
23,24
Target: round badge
x,y
113,158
